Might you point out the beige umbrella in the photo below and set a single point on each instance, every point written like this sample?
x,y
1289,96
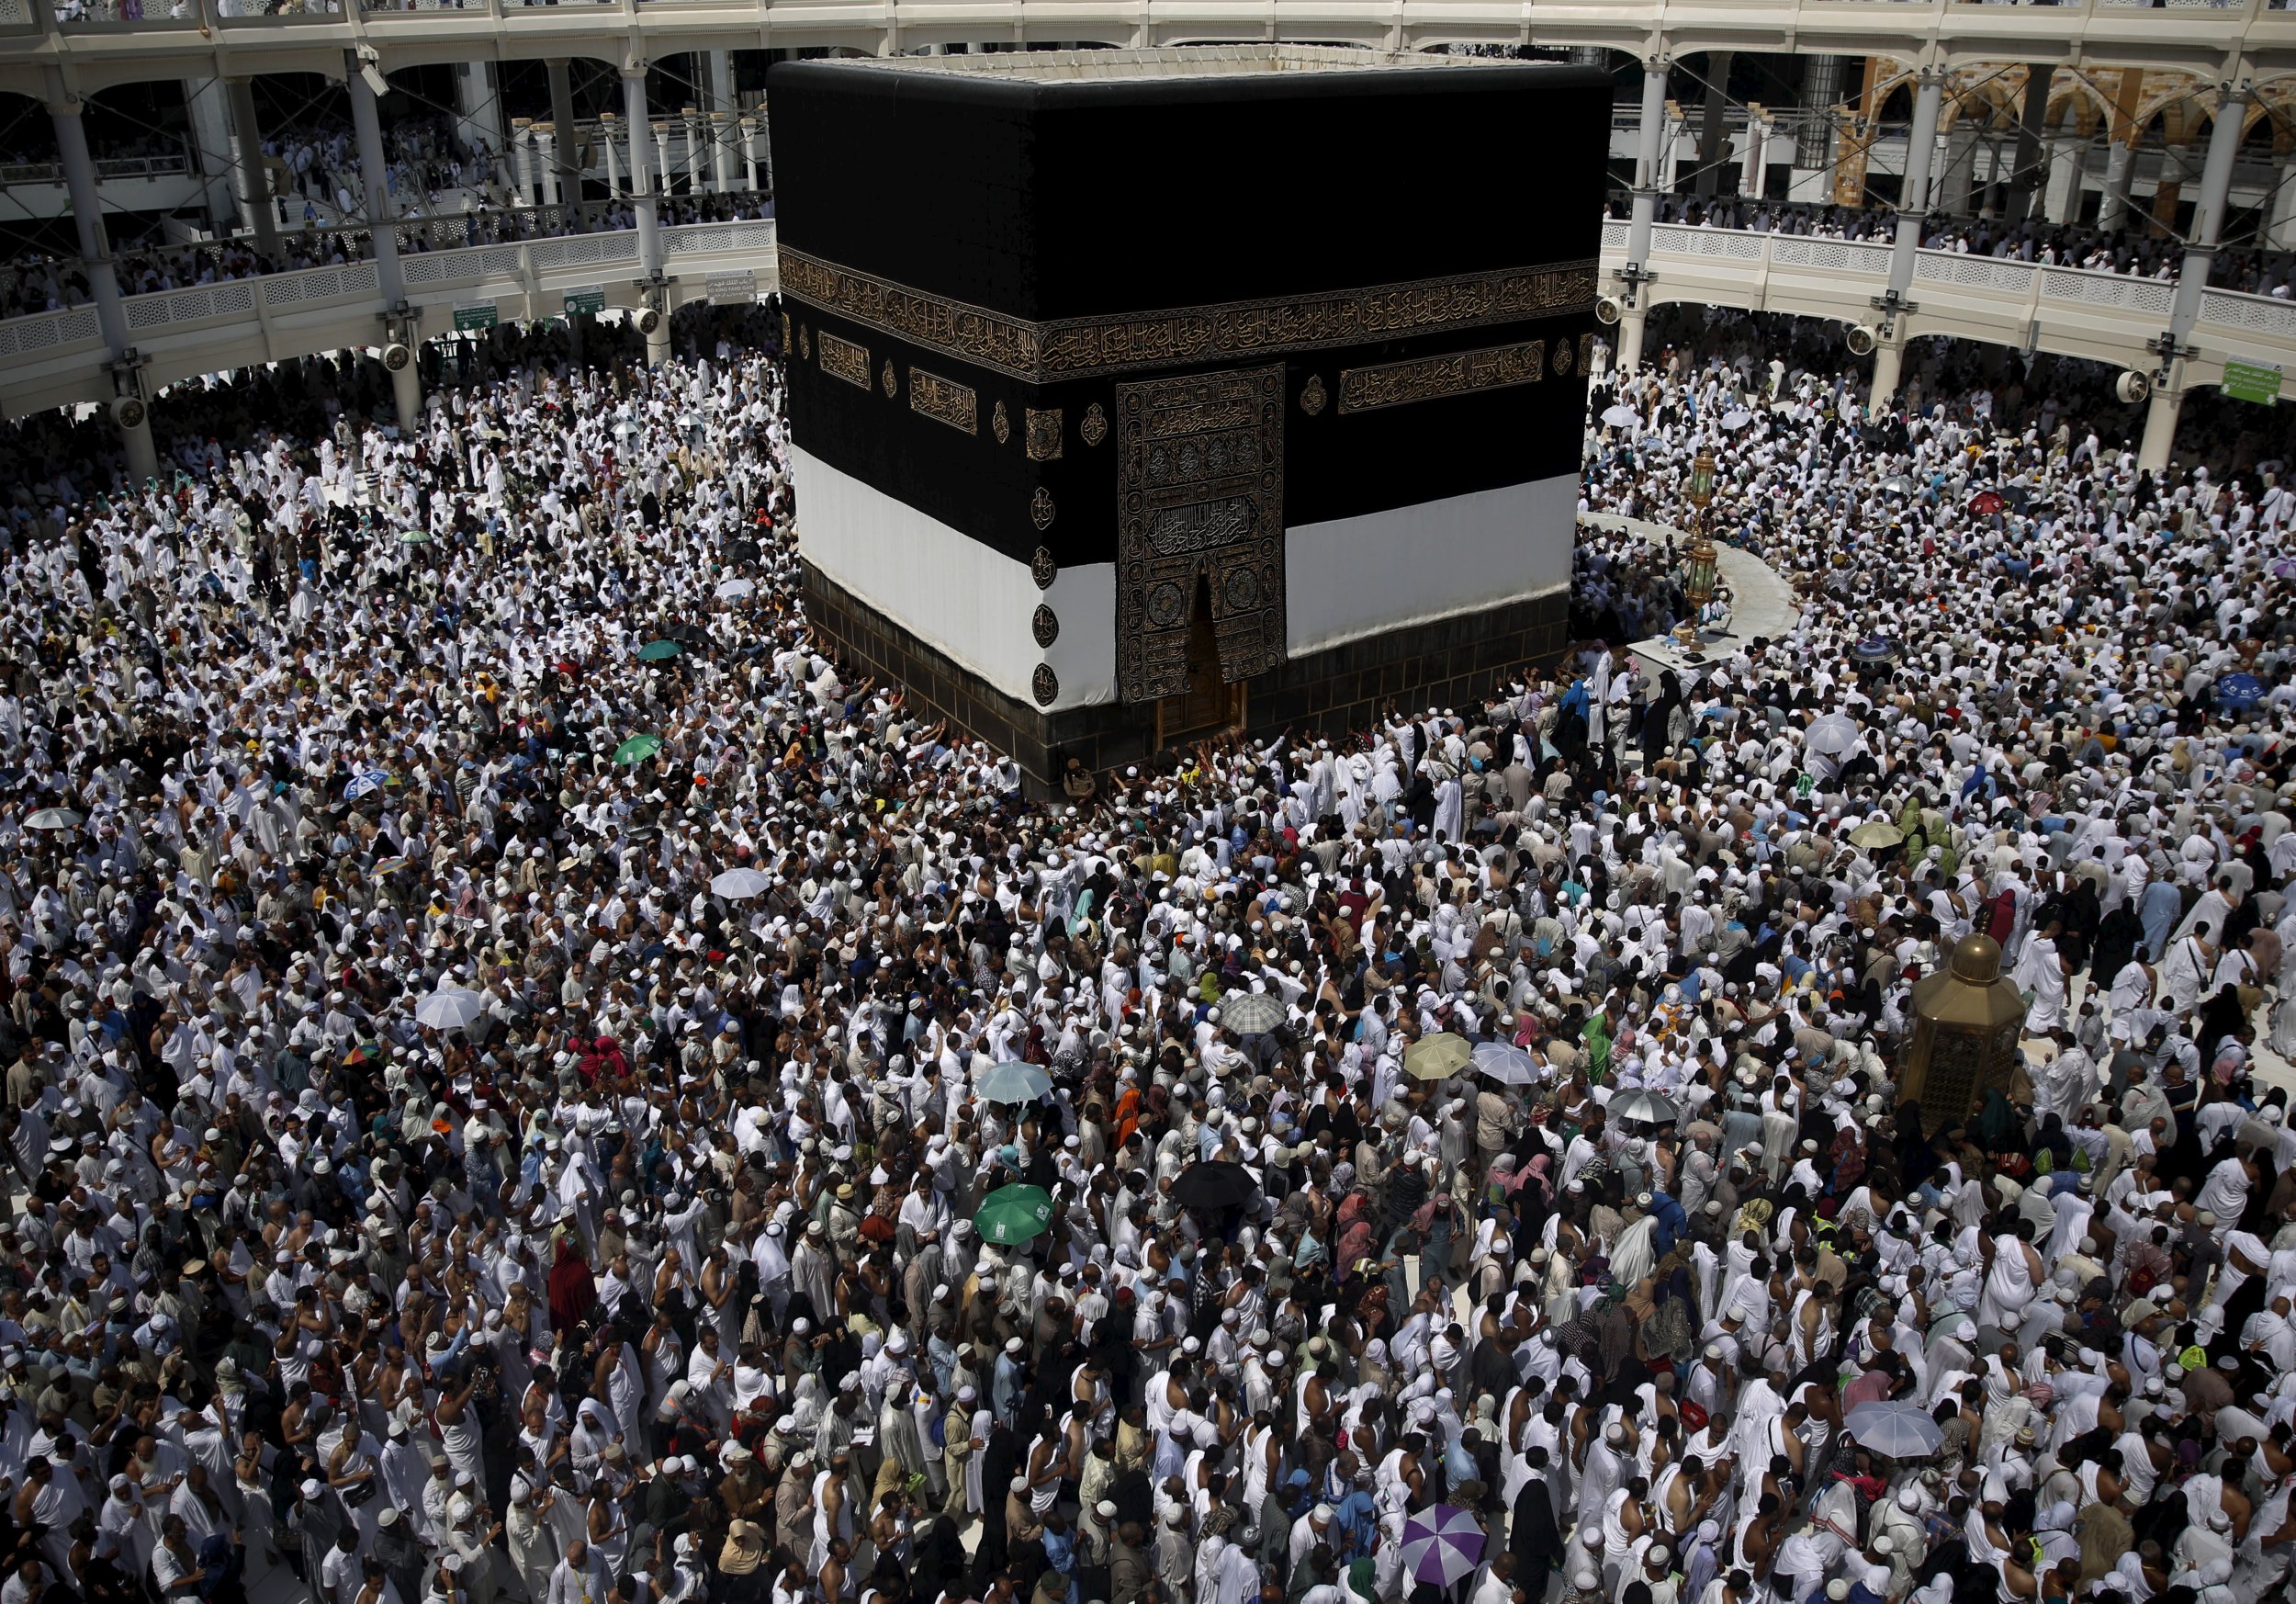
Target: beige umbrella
x,y
1438,1057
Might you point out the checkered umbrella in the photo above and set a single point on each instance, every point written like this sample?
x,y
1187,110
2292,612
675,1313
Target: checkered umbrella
x,y
1442,1545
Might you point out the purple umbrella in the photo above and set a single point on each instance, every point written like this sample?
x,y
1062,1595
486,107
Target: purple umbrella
x,y
1442,1545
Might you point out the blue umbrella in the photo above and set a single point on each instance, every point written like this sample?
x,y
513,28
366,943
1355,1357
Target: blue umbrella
x,y
364,781
2238,693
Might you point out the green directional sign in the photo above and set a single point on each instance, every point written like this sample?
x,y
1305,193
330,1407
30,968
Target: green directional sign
x,y
480,315
591,299
2251,381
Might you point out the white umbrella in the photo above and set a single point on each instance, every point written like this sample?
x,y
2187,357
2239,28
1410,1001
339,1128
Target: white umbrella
x,y
1737,418
733,590
1508,1064
1899,1430
1621,416
450,1008
1640,1105
1831,735
53,819
735,884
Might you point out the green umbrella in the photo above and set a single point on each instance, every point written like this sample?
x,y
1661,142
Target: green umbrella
x,y
656,650
637,748
1014,1213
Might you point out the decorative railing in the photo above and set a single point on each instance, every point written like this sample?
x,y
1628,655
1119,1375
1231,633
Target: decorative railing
x,y
2112,317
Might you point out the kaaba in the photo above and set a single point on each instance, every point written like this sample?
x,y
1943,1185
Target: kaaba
x,y
1138,395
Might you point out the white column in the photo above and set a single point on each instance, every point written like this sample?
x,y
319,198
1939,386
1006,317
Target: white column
x,y
209,102
668,169
546,188
641,178
96,256
749,155
2192,274
1649,137
1889,356
2281,232
642,195
720,153
480,112
1630,322
2112,210
2062,203
2207,213
1751,176
1920,146
374,172
720,111
2160,423
697,177
523,160
262,215
609,129
563,156
1960,168
1674,134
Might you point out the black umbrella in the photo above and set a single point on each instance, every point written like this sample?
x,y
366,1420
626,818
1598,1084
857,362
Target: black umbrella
x,y
1217,1183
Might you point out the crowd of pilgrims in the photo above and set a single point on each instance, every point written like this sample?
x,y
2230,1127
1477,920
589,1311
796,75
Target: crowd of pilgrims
x,y
656,1278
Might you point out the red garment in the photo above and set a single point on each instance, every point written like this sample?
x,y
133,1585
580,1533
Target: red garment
x,y
573,1290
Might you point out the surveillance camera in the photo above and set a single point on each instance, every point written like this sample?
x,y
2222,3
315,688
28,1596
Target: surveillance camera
x,y
1609,309
2132,387
375,79
1861,339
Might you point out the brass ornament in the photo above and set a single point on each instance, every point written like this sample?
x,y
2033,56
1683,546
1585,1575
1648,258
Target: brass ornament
x,y
1393,384
944,401
1043,434
1560,361
891,384
1041,509
1001,422
1312,396
1094,427
840,358
805,343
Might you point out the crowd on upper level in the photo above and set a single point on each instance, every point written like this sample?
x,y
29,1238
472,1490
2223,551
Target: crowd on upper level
x,y
46,282
2133,249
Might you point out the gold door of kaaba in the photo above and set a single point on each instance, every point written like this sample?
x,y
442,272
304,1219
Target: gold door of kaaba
x,y
1200,499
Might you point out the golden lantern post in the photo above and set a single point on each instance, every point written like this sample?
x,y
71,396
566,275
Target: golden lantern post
x,y
1698,561
1967,1018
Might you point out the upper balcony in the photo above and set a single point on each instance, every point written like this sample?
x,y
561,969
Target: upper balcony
x,y
110,41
